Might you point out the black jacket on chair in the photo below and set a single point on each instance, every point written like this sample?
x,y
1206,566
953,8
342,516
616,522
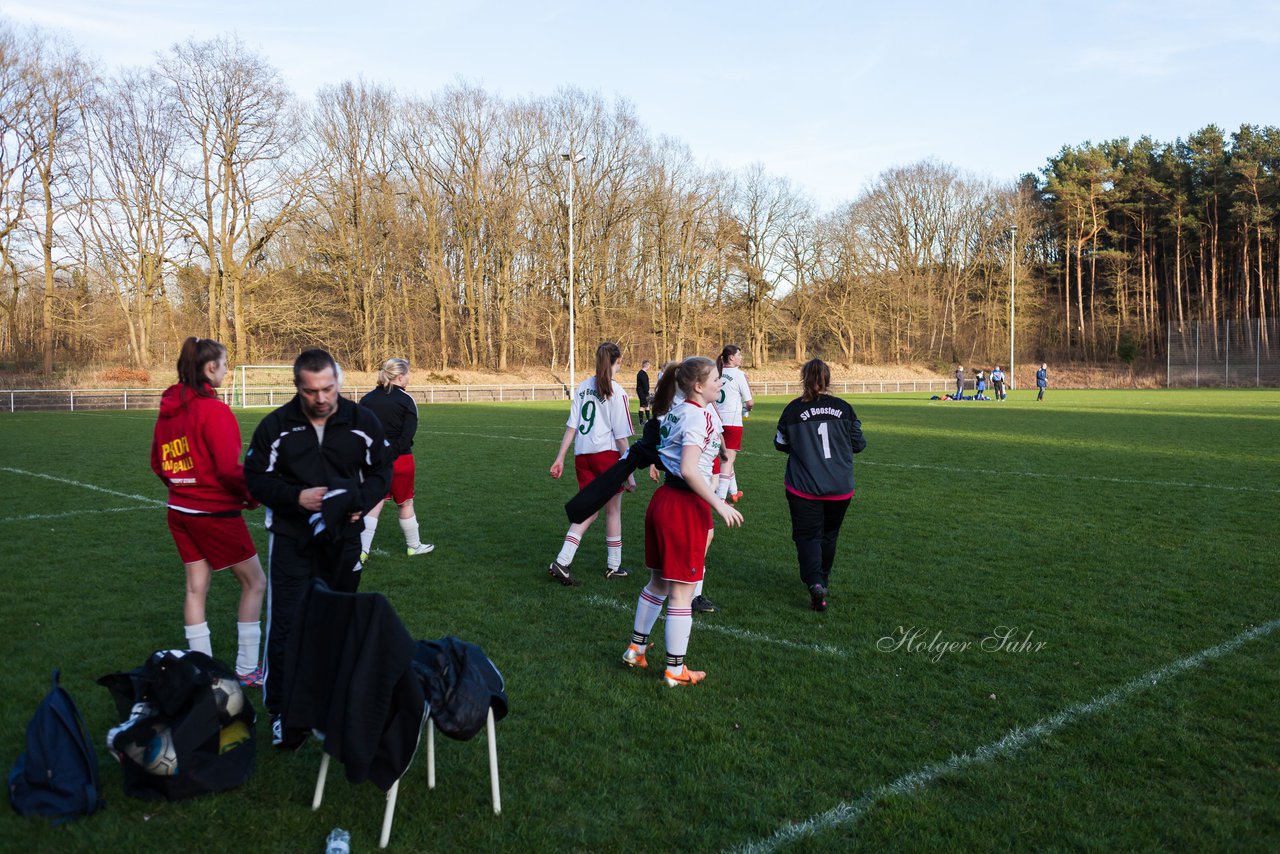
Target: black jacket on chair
x,y
348,674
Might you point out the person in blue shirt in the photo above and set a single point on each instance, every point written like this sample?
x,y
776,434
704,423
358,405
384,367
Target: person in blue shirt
x,y
979,385
1042,380
997,382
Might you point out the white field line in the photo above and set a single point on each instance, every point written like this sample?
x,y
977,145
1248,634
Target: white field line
x,y
146,499
740,634
1084,477
780,459
40,517
551,440
1013,741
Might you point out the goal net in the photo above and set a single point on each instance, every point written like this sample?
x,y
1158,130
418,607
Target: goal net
x,y
262,385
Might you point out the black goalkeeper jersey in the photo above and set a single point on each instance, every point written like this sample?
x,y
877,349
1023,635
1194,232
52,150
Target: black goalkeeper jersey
x,y
820,437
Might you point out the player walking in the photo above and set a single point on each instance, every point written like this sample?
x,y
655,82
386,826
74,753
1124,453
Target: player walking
x,y
599,426
679,514
196,452
398,413
997,382
820,434
733,400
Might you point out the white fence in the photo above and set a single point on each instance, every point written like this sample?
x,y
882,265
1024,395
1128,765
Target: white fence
x,y
81,400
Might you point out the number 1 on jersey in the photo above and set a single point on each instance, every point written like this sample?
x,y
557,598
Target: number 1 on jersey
x,y
826,442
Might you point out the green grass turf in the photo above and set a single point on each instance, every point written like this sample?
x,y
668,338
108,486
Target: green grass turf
x,y
1124,530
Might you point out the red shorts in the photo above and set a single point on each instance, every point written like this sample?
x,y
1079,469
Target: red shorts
x,y
732,438
402,473
221,540
590,466
675,534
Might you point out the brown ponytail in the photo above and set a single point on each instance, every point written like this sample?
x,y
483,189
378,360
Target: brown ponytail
x,y
685,375
195,354
725,355
816,377
606,355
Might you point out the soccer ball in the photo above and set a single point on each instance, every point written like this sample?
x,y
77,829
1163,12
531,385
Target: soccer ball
x,y
229,696
158,755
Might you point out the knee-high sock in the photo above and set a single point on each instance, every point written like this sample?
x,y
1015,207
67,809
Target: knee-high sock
x,y
679,627
568,550
409,527
366,536
250,636
648,607
613,547
198,638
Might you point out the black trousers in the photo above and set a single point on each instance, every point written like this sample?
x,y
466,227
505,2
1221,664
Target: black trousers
x,y
290,567
815,525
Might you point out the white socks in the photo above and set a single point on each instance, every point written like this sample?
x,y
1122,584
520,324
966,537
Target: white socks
x,y
648,608
410,529
568,550
614,548
198,638
250,635
679,627
366,536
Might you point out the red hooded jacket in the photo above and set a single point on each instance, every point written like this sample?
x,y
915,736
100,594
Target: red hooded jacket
x,y
196,452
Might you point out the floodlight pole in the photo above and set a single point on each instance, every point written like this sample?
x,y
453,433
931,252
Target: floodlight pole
x,y
1013,254
569,158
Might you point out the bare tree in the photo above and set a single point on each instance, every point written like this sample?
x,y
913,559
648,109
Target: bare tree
x,y
132,150
242,126
51,126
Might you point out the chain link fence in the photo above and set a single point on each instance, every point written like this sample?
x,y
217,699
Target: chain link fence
x,y
1228,354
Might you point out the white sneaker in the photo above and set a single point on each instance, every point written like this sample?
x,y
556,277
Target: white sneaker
x,y
421,549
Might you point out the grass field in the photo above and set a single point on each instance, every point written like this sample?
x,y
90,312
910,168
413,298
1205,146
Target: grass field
x,y
1131,534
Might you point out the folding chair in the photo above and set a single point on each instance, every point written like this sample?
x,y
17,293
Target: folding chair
x,y
375,656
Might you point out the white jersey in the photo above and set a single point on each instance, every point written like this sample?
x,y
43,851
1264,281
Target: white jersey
x,y
734,392
691,424
597,423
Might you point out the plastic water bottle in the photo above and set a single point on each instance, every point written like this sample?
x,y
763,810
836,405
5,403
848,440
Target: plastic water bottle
x,y
339,842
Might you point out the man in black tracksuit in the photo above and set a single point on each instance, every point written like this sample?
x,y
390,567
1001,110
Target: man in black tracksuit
x,y
820,434
317,464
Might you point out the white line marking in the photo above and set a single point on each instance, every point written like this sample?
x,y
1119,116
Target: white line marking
x,y
1013,741
489,436
39,517
740,634
1088,477
147,499
1045,475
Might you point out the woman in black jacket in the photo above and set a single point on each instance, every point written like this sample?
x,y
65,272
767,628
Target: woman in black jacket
x,y
820,434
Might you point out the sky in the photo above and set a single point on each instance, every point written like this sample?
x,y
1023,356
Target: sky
x,y
829,95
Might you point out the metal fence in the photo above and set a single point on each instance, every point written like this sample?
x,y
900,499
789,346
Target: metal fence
x,y
82,400
1232,353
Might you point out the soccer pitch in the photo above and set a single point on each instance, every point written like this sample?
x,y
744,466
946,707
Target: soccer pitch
x,y
1052,625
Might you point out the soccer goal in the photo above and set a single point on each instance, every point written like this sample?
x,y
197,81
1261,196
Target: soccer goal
x,y
263,385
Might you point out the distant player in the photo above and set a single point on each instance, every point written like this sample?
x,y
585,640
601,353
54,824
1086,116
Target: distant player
x,y
820,434
679,515
642,390
959,382
196,452
1042,380
997,382
599,427
398,413
733,401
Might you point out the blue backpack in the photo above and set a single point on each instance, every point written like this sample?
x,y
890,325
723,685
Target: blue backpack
x,y
57,775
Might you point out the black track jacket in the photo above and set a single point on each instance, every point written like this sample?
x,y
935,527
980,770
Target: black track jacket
x,y
820,437
286,457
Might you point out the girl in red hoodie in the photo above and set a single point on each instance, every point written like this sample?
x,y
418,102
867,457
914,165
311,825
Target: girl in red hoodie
x,y
196,452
